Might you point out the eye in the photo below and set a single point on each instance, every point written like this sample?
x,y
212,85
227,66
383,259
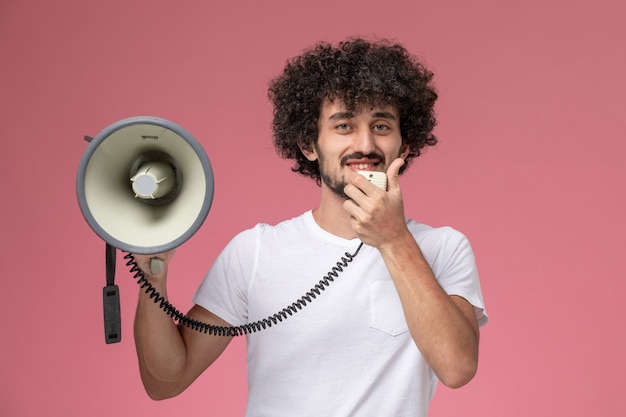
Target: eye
x,y
381,128
344,127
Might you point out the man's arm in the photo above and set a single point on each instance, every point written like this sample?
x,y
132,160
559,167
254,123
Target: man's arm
x,y
171,357
444,327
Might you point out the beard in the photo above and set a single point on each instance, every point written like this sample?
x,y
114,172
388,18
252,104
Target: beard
x,y
336,183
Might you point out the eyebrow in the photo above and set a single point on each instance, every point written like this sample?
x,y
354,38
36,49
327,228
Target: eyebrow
x,y
349,115
385,115
341,115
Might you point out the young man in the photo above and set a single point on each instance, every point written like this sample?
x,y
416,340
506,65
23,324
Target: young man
x,y
392,321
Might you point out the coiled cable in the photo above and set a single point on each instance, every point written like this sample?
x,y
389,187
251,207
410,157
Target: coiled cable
x,y
244,329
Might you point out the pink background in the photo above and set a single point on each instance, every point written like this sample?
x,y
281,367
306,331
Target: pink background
x,y
530,166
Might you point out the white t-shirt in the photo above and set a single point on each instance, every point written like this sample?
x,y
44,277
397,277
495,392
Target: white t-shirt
x,y
348,352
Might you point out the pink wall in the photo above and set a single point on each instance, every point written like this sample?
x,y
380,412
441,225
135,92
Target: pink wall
x,y
530,167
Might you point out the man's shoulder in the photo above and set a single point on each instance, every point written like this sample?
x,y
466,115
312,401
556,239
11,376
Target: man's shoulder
x,y
418,228
261,230
437,237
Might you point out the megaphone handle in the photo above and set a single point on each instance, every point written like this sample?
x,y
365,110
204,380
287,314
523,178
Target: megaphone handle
x,y
156,266
111,300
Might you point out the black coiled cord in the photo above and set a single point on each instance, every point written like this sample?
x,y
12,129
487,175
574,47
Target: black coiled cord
x,y
199,326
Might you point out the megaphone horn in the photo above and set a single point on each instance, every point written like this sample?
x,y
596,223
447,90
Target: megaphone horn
x,y
144,185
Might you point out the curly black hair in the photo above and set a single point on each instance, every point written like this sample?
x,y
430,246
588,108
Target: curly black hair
x,y
355,72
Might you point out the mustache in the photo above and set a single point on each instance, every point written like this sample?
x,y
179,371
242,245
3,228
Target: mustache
x,y
360,155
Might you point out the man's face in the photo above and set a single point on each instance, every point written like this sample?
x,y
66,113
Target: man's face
x,y
367,139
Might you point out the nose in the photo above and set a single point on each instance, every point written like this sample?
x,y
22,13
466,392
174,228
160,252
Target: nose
x,y
364,141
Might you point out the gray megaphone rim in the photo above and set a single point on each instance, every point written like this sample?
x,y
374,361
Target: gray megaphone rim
x,y
101,137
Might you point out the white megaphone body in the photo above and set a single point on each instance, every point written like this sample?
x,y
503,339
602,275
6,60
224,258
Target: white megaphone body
x,y
145,186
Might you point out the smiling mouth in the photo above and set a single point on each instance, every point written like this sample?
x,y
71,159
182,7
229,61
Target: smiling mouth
x,y
362,162
362,166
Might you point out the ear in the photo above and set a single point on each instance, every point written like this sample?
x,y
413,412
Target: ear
x,y
404,150
308,150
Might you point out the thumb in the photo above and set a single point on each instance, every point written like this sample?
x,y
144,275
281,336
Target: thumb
x,y
393,177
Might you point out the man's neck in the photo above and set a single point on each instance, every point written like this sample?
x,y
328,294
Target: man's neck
x,y
332,217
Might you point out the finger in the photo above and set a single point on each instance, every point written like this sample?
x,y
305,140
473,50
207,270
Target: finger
x,y
393,174
355,194
351,207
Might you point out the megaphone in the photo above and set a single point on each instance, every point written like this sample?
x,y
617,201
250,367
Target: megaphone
x,y
144,185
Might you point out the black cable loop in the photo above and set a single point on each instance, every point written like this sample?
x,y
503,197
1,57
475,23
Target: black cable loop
x,y
247,328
